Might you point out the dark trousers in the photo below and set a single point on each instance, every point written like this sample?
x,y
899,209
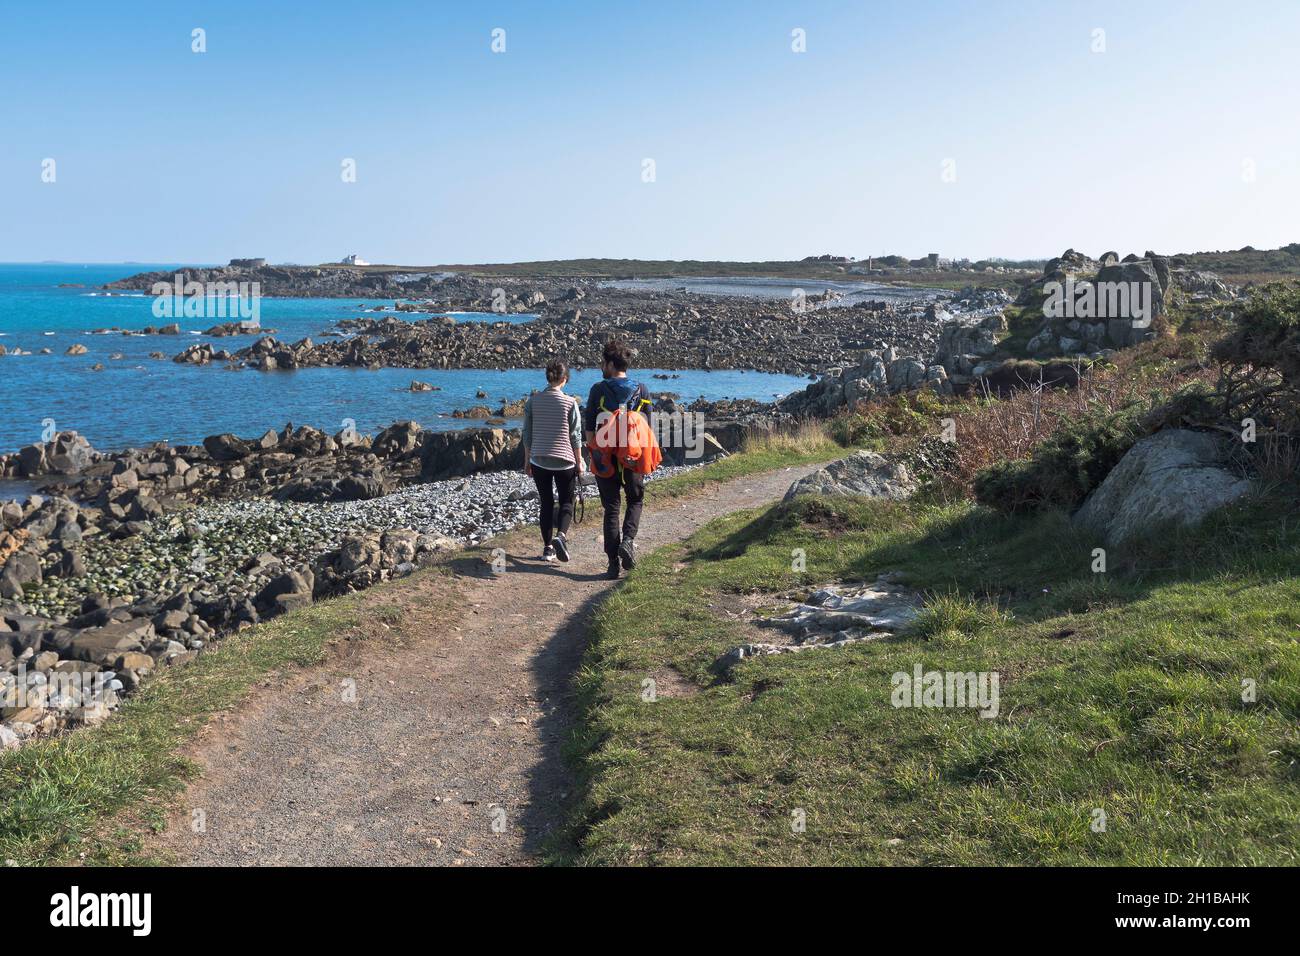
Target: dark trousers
x,y
552,485
633,486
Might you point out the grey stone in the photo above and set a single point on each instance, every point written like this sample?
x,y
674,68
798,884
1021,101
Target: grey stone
x,y
864,474
1175,476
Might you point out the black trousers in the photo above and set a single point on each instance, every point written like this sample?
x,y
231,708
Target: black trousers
x,y
552,485
631,485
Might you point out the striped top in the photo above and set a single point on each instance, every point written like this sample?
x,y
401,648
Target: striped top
x,y
552,429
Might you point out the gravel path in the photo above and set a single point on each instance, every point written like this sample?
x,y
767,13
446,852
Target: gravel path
x,y
451,752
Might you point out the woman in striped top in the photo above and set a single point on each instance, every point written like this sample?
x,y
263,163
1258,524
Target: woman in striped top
x,y
553,455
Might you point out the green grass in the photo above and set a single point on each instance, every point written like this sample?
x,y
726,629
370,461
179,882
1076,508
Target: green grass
x,y
88,795
805,446
1119,692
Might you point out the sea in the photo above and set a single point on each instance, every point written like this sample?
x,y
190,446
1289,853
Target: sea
x,y
136,400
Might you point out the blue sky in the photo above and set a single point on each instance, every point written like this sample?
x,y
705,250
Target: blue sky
x,y
464,155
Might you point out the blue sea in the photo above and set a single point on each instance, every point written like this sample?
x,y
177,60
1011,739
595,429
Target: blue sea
x,y
136,400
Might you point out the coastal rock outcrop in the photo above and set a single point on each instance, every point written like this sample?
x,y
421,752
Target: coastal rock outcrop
x,y
66,453
708,331
452,454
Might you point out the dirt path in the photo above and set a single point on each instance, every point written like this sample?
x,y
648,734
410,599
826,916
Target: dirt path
x,y
456,726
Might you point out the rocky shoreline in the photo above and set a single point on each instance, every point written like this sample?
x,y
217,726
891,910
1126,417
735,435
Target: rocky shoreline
x,y
671,330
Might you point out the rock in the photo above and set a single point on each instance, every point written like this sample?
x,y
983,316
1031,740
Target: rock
x,y
399,545
226,447
834,617
8,739
286,592
863,474
958,338
11,542
76,349
454,454
94,713
1140,274
831,614
133,661
1175,475
103,645
398,440
358,551
21,568
67,453
1041,342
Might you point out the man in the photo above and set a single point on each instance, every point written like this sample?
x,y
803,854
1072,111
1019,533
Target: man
x,y
616,390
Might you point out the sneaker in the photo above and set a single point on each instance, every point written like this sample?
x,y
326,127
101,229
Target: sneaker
x,y
549,553
561,548
613,572
627,553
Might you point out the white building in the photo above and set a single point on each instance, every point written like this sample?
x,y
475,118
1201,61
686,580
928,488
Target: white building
x,y
354,260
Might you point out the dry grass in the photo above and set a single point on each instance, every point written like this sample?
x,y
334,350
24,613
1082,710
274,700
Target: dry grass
x,y
808,437
990,430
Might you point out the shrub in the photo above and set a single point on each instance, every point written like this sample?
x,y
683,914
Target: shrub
x,y
1258,382
1259,361
1066,466
905,415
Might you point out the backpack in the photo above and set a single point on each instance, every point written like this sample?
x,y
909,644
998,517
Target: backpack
x,y
625,438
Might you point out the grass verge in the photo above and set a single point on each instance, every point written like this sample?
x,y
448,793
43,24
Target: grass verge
x,y
1121,693
805,445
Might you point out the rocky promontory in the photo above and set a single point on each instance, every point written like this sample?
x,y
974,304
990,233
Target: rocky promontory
x,y
669,329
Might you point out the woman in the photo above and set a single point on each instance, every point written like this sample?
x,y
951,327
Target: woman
x,y
553,455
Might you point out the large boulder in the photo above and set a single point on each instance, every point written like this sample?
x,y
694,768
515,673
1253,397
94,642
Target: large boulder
x,y
67,453
1175,475
227,447
863,474
958,340
21,568
103,645
1138,274
398,440
455,454
286,592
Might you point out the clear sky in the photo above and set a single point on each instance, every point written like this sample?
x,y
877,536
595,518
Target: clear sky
x,y
1183,135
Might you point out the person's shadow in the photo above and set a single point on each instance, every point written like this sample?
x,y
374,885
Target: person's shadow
x,y
555,665
480,567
